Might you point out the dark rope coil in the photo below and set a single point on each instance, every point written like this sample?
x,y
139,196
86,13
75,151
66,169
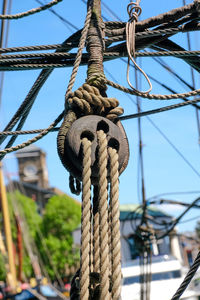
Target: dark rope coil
x,y
86,100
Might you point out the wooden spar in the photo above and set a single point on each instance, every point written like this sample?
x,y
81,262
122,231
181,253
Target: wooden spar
x,y
7,229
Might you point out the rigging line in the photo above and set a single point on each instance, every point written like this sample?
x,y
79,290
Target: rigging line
x,y
110,11
189,220
68,24
173,193
30,98
106,19
162,133
193,82
162,201
179,218
30,12
170,70
4,8
157,61
171,90
159,110
141,161
165,86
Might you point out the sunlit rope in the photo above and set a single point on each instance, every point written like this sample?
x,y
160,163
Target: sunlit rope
x,y
31,11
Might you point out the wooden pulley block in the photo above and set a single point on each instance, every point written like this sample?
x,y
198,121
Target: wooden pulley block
x,y
87,127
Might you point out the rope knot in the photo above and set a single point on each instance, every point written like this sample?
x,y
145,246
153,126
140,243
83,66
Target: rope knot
x,y
98,80
134,11
87,100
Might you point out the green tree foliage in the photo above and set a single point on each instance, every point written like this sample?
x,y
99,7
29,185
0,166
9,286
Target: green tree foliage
x,y
62,215
2,268
25,208
51,232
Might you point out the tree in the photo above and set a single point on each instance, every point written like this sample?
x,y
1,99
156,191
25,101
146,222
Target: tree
x,y
61,217
25,208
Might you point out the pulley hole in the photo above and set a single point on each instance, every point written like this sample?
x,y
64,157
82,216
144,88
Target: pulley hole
x,y
113,143
87,134
102,125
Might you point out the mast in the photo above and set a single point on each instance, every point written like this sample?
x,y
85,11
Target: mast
x,y
7,229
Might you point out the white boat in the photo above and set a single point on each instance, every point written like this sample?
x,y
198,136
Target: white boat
x,y
166,278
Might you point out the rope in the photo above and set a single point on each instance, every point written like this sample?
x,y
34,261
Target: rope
x,y
183,14
33,140
122,118
31,48
70,116
103,217
153,96
187,278
40,58
79,53
21,132
113,38
134,10
152,33
25,107
115,224
159,110
85,220
96,252
88,100
30,12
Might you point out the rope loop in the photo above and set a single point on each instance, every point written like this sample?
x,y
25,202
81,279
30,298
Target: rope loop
x,y
134,10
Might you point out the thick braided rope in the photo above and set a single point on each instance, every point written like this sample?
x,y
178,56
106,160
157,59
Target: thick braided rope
x,y
39,82
115,224
153,96
103,216
64,128
110,39
31,11
119,34
85,221
79,53
31,48
91,242
23,59
89,101
187,278
171,15
96,252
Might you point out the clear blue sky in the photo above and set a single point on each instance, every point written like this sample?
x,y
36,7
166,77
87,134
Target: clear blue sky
x,y
165,171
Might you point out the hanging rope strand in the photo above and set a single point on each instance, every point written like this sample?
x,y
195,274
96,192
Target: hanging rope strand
x,y
134,10
115,224
96,252
85,221
103,216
